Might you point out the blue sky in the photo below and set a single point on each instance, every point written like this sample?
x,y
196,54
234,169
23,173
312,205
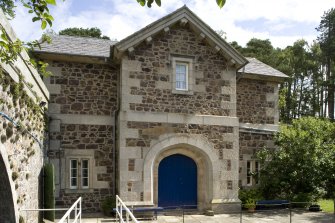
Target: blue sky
x,y
281,21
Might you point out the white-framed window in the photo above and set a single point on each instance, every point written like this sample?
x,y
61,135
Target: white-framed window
x,y
257,172
253,172
182,76
249,175
182,73
79,172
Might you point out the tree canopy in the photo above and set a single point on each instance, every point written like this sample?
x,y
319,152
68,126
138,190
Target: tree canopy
x,y
84,32
220,3
303,166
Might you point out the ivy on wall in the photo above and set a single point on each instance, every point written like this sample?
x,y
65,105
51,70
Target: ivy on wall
x,y
23,129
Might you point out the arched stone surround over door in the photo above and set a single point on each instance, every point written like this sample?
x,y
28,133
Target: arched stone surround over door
x,y
195,147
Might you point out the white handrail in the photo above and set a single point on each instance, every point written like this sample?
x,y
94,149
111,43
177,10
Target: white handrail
x,y
119,208
77,213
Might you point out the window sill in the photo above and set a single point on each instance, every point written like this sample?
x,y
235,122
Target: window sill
x,y
82,191
174,91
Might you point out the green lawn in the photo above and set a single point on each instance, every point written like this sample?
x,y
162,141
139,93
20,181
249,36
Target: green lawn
x,y
327,205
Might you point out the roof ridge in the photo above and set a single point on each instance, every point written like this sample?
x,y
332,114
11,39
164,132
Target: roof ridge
x,y
82,37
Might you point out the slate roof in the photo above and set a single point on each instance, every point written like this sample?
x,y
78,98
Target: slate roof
x,y
257,67
86,46
82,46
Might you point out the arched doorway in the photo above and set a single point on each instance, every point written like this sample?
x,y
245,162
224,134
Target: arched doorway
x,y
177,181
7,209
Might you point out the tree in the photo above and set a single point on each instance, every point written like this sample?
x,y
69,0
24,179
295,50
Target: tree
x,y
88,32
327,44
262,50
220,3
303,165
10,49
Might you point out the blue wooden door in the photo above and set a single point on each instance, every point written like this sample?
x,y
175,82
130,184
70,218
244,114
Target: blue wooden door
x,y
177,181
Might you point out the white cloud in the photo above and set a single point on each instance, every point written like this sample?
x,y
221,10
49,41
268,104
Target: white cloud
x,y
121,18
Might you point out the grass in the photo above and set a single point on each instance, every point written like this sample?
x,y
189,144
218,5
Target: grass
x,y
327,205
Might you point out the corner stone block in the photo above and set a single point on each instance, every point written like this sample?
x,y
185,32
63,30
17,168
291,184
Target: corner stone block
x,y
54,108
55,125
130,152
270,112
131,65
56,71
54,144
228,90
270,97
53,88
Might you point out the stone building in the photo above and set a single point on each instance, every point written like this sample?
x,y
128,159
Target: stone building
x,y
22,130
170,115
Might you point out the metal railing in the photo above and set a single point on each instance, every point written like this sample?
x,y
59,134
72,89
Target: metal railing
x,y
76,207
120,209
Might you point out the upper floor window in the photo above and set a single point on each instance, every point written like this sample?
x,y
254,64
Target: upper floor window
x,y
181,76
183,79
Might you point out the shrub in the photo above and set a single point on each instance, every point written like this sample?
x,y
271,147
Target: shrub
x,y
49,188
107,205
246,194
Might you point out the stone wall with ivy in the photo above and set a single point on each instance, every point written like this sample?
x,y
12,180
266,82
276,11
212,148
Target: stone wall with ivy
x,y
22,130
22,127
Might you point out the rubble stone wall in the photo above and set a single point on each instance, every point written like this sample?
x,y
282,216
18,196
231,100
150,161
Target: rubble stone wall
x,y
82,111
213,87
257,101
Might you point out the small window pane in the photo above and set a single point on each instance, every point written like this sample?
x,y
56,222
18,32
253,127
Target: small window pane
x,y
84,173
249,178
257,172
73,174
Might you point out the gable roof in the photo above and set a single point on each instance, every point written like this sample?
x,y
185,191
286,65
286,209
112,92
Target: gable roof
x,y
259,68
196,24
74,45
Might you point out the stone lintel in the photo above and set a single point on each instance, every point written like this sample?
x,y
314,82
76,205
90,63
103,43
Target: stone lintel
x,y
260,127
84,119
178,118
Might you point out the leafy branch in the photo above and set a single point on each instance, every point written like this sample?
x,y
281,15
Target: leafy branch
x,y
11,50
220,3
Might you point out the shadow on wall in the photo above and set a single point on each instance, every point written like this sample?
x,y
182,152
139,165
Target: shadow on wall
x,y
7,209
